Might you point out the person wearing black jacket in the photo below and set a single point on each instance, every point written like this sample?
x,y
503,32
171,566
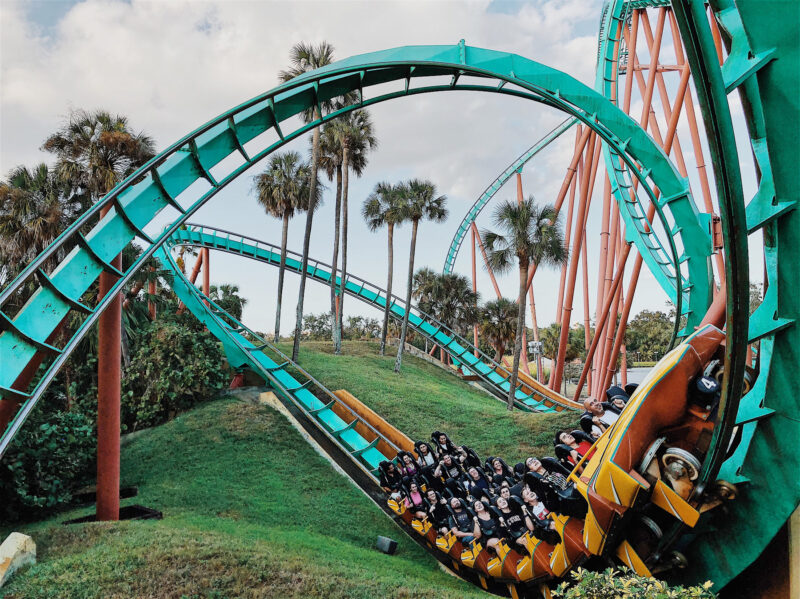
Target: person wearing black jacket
x,y
443,444
427,462
477,485
390,479
514,518
437,511
451,472
461,523
488,524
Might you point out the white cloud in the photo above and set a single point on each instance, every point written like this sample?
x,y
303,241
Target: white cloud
x,y
170,66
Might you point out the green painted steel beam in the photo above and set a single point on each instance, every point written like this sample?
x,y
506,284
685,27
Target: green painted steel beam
x,y
687,282
460,349
166,179
762,66
495,186
244,347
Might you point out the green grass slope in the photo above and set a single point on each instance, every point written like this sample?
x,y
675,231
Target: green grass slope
x,y
250,510
424,398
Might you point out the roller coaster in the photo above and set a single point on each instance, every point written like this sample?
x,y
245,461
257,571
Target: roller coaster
x,y
690,484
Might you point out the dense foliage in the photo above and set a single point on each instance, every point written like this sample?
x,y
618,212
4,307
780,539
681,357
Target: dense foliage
x,y
612,584
319,327
50,456
648,335
174,368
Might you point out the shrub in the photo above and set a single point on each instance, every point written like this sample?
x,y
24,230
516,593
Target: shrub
x,y
50,457
174,368
614,584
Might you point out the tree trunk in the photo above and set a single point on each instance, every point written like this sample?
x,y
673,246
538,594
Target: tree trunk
x,y
281,273
523,283
345,185
298,329
498,352
399,361
385,329
335,262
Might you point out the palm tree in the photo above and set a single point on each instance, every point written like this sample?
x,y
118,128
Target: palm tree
x,y
498,319
330,160
384,207
282,189
533,236
96,150
447,297
355,134
227,297
35,207
454,303
421,202
303,58
425,280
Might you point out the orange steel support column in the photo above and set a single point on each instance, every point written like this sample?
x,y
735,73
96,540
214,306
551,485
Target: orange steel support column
x,y
580,144
474,290
524,354
586,321
623,319
206,273
667,143
662,88
623,369
192,278
486,260
568,229
604,240
151,290
569,292
565,186
607,362
602,316
196,268
697,148
715,34
609,276
109,356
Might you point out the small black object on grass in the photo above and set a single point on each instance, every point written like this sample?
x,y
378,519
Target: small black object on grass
x,y
387,545
129,512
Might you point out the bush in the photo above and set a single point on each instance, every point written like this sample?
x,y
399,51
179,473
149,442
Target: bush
x,y
174,368
613,584
51,456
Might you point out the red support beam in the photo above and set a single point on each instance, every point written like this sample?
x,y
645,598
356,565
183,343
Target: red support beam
x,y
192,278
697,147
568,229
486,260
602,316
524,351
206,273
586,320
474,288
151,290
109,357
569,292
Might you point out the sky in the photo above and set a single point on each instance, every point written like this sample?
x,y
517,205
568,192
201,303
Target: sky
x,y
171,66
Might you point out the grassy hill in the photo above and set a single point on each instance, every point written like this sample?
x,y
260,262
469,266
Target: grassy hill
x,y
423,398
250,510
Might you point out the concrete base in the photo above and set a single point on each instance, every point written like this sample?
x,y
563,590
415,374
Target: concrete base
x,y
17,550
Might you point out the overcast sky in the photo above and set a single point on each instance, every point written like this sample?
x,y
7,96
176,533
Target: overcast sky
x,y
171,66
